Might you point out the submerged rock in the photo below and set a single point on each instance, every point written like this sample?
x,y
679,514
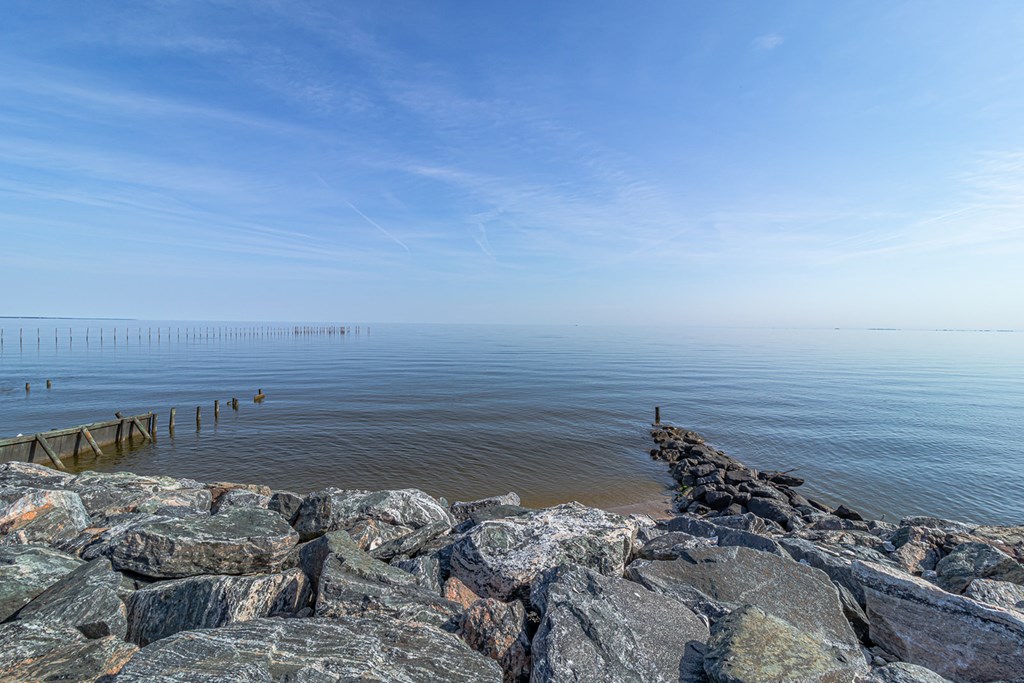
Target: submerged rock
x,y
31,515
164,608
752,646
333,509
500,558
949,634
37,651
85,599
28,570
311,650
598,628
238,541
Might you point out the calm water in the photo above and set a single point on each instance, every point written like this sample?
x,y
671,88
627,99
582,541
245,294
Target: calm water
x,y
893,423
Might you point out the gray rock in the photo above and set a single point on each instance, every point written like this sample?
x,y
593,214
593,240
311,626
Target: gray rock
x,y
37,651
286,504
717,580
834,560
311,651
411,542
32,475
1000,593
85,599
598,628
107,494
952,635
165,608
333,509
238,541
500,558
313,554
371,588
426,569
901,672
234,498
1009,539
774,510
969,561
462,510
30,515
26,571
671,545
752,646
370,533
498,630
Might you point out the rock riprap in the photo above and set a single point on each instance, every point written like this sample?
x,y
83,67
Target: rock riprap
x,y
751,582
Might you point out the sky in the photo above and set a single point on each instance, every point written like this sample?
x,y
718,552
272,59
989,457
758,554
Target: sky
x,y
782,164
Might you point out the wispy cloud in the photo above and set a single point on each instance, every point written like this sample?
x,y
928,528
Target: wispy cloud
x,y
768,41
377,225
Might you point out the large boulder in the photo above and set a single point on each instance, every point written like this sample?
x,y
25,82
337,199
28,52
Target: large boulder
x,y
107,494
164,608
598,628
500,558
85,599
311,650
834,560
31,515
33,475
718,580
462,510
26,571
33,650
498,630
972,560
751,646
1000,593
333,509
238,541
952,635
901,672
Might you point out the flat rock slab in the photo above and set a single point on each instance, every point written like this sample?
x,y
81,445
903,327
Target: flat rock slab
x,y
598,628
500,558
302,650
752,646
999,593
165,608
36,651
462,510
85,599
718,580
28,570
333,509
238,541
33,475
901,672
41,515
952,635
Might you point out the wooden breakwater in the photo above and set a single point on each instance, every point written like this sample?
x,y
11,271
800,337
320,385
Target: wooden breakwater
x,y
54,445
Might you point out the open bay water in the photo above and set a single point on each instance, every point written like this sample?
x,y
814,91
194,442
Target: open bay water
x,y
889,422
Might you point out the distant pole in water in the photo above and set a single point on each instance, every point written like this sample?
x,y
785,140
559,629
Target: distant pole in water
x,y
170,422
199,410
657,415
28,386
49,384
234,403
216,409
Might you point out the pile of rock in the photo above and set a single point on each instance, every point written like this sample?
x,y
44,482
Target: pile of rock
x,y
122,578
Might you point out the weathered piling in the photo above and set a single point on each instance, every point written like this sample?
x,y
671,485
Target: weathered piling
x,y
49,452
216,409
91,441
49,384
199,419
170,421
657,415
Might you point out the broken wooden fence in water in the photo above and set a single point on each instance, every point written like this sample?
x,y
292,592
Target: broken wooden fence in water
x,y
56,444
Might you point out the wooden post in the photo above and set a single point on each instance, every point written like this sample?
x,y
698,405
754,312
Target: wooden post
x,y
91,441
28,386
49,384
152,425
170,423
657,415
120,427
199,410
49,452
216,409
142,430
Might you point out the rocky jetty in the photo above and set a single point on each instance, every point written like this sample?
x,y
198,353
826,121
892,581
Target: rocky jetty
x,y
120,577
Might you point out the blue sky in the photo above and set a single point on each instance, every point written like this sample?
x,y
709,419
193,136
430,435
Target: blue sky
x,y
713,163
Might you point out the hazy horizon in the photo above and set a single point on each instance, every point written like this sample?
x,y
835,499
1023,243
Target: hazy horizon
x,y
735,164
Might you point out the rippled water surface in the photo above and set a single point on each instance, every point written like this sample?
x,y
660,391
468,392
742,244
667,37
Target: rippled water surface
x,y
890,422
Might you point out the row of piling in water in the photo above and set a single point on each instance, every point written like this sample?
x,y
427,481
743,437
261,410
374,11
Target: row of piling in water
x,y
192,333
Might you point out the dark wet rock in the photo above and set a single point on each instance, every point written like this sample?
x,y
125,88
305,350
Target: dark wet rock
x,y
1000,593
922,624
671,545
500,558
33,650
844,512
32,475
100,541
462,510
286,504
354,585
773,510
238,541
733,535
498,630
598,628
901,672
489,513
752,646
167,607
717,500
715,581
370,533
311,651
30,515
969,561
28,570
782,478
333,509
410,543
85,599
243,498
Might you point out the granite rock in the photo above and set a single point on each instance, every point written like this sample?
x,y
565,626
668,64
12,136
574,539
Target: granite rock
x,y
38,651
45,516
410,543
86,599
286,504
333,509
28,570
33,475
901,672
498,630
1000,593
244,498
969,561
462,510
